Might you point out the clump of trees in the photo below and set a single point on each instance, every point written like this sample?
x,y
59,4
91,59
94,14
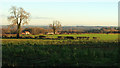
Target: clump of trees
x,y
55,26
35,30
18,17
8,31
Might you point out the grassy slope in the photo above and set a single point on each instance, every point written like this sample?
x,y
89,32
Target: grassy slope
x,y
31,52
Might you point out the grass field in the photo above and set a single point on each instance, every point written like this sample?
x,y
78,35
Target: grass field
x,y
41,52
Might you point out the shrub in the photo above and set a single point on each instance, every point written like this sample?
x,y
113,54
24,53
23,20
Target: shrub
x,y
41,37
68,37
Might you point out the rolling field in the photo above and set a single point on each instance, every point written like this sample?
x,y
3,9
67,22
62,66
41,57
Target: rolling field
x,y
102,52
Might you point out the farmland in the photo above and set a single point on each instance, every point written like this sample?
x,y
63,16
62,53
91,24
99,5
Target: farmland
x,y
62,52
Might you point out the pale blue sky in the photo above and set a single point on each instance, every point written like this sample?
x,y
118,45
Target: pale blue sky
x,y
69,13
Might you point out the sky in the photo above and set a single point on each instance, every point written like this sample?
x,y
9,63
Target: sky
x,y
68,12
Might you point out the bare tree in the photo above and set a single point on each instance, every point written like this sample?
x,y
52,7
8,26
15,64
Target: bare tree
x,y
55,26
18,17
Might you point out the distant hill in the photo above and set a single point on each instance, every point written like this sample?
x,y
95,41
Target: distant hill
x,y
65,27
63,30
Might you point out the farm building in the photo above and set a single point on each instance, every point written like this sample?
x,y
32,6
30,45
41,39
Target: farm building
x,y
26,33
51,33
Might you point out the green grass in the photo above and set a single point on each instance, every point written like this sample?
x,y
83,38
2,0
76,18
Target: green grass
x,y
42,52
104,37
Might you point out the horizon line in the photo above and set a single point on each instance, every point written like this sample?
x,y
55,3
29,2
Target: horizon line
x,y
66,25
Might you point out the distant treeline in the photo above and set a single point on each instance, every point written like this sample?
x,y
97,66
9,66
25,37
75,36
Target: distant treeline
x,y
64,30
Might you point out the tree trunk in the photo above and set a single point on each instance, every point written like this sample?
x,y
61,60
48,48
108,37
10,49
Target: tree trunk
x,y
54,31
18,31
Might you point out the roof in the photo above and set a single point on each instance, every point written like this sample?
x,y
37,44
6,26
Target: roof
x,y
26,31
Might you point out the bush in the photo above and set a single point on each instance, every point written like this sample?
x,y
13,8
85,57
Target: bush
x,y
36,37
68,37
60,37
42,37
